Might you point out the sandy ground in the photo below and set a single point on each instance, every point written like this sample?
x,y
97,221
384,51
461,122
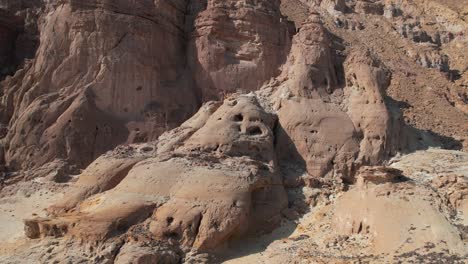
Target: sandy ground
x,y
22,201
252,249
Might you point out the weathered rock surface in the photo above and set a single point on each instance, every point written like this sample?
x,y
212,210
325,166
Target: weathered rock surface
x,y
104,75
383,218
334,126
199,124
218,183
236,45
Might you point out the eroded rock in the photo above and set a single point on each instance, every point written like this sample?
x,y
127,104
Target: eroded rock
x,y
219,183
321,113
236,46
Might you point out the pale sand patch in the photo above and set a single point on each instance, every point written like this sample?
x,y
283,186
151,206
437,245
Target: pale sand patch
x,y
22,201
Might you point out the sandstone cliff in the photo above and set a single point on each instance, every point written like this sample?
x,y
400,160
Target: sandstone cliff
x,y
179,128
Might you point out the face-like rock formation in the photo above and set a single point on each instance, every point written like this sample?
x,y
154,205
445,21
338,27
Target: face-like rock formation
x,y
218,175
225,118
335,127
210,186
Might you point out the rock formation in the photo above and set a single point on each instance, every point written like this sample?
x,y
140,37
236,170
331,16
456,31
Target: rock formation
x,y
214,184
122,72
173,129
335,126
236,45
390,215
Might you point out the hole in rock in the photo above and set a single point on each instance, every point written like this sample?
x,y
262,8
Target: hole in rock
x,y
139,88
169,220
238,118
254,131
172,235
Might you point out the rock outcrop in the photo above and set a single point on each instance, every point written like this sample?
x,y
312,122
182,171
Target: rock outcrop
x,y
235,46
335,127
392,214
104,75
211,186
169,130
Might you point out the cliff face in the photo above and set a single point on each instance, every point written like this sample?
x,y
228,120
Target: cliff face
x,y
89,75
110,72
236,45
223,118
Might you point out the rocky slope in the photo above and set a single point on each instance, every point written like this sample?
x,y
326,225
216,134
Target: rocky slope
x,y
179,129
384,218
